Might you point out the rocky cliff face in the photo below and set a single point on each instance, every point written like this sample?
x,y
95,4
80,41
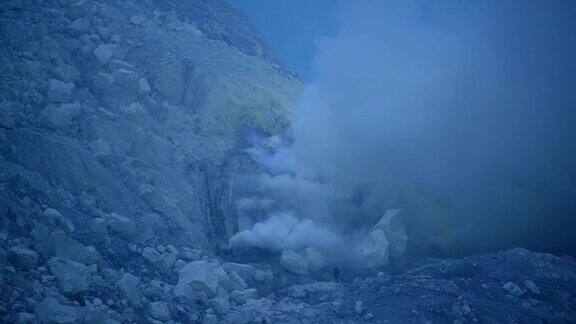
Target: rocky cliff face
x,y
124,107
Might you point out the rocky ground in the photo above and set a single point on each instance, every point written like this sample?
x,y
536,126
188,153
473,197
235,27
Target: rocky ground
x,y
112,113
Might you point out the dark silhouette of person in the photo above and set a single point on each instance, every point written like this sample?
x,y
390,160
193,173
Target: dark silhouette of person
x,y
336,274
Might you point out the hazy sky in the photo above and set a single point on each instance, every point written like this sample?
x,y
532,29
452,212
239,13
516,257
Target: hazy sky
x,y
292,27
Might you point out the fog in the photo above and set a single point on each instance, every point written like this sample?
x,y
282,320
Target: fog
x,y
460,113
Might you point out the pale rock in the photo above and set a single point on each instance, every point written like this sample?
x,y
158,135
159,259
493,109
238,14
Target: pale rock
x,y
105,52
129,287
22,258
201,276
100,148
79,26
39,233
72,277
51,311
293,262
393,226
67,72
144,87
172,249
122,225
314,258
62,246
359,307
160,311
137,20
532,287
150,254
242,296
61,116
59,91
374,250
126,79
513,289
244,270
236,282
161,248
263,276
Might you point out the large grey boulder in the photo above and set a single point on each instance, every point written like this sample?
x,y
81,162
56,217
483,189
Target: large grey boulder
x,y
126,79
160,311
130,288
79,26
201,276
51,311
373,250
314,258
294,262
59,91
105,52
62,246
67,72
61,116
263,276
245,271
22,257
393,225
72,277
236,282
121,225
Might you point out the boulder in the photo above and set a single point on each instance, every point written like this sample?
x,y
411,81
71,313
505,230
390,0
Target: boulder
x,y
22,258
236,282
314,259
60,245
242,296
293,262
51,311
374,250
61,116
137,20
221,306
160,311
129,287
244,270
393,226
122,225
67,72
202,276
79,27
100,149
531,286
126,79
72,277
59,91
144,87
105,52
151,254
513,289
263,276
98,225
